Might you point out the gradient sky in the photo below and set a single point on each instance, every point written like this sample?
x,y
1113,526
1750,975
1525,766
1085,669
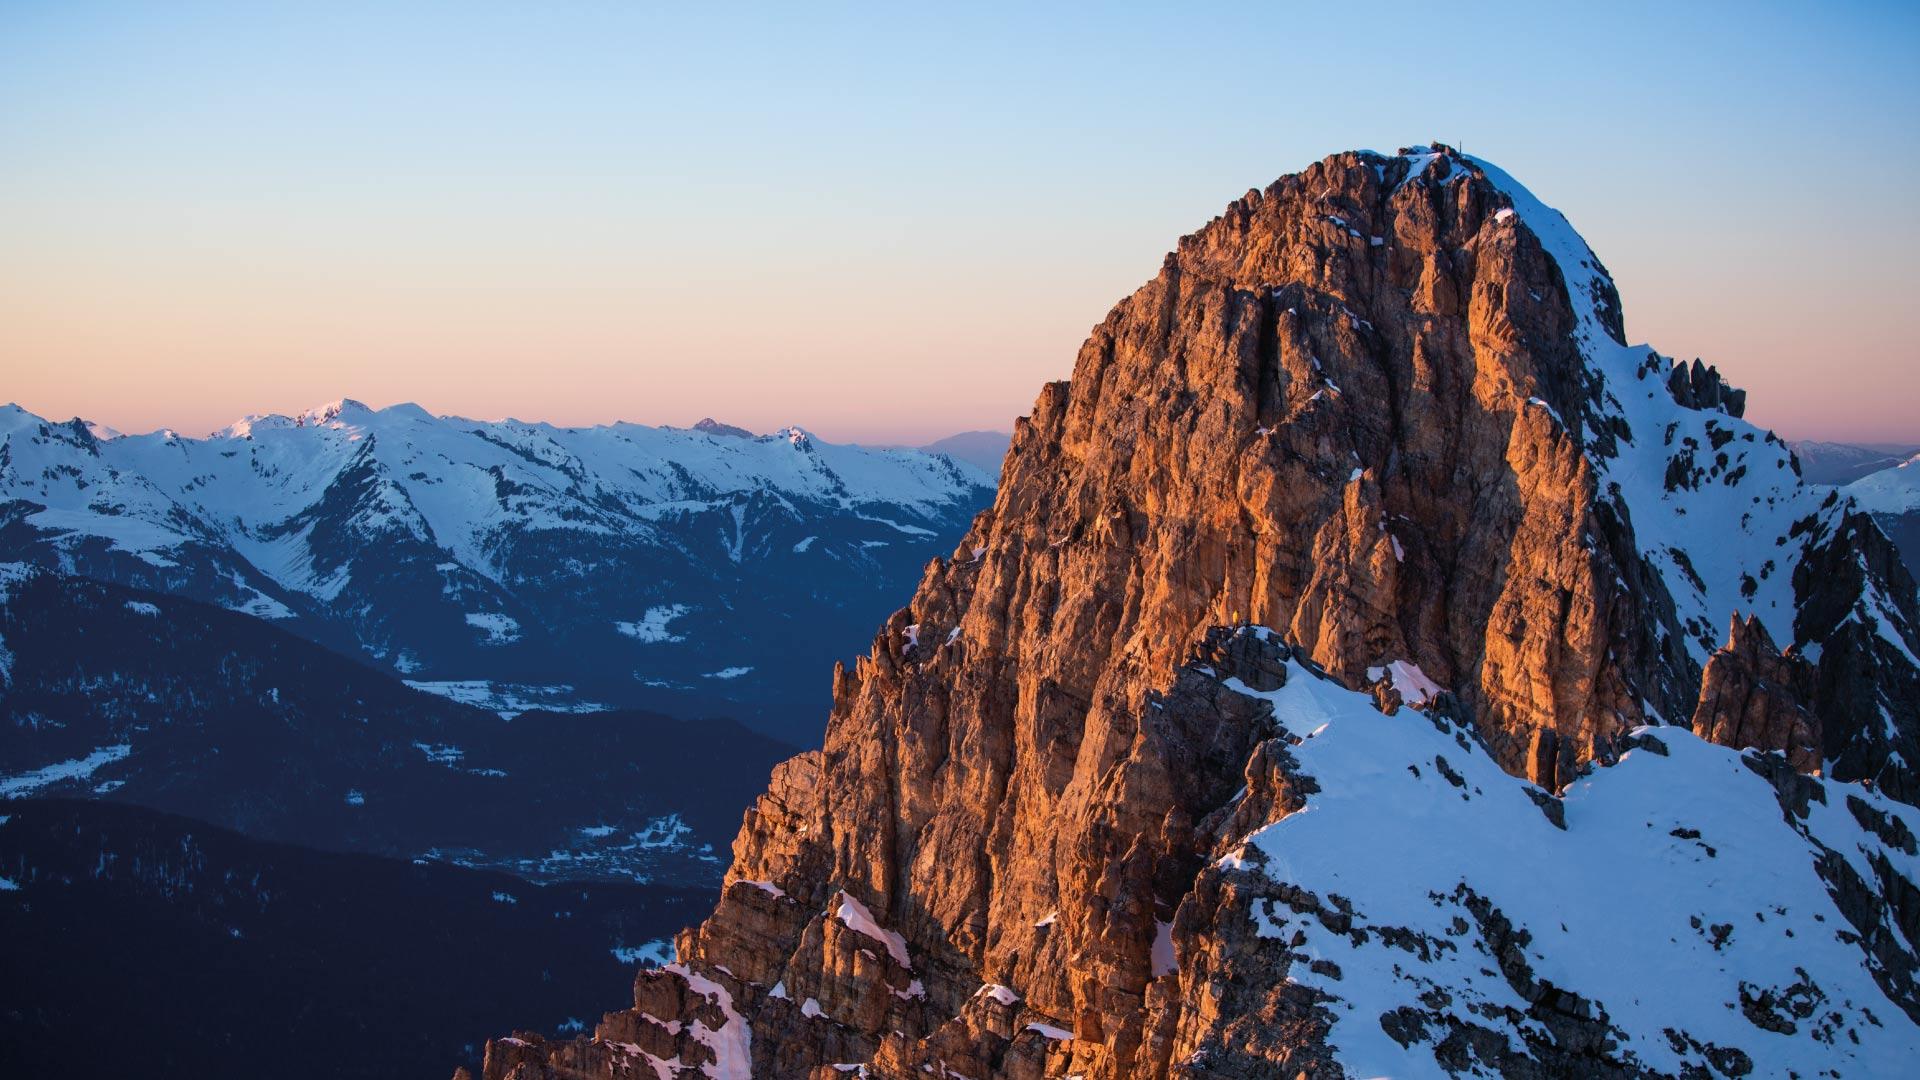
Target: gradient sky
x,y
883,223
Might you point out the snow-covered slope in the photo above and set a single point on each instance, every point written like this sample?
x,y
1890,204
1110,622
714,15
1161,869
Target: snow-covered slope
x,y
454,550
1696,906
1892,496
1719,513
1889,491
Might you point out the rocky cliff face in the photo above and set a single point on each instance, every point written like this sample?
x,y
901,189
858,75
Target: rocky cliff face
x,y
1385,409
1752,694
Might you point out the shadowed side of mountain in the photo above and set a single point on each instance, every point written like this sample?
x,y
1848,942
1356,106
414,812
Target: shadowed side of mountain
x,y
184,707
141,942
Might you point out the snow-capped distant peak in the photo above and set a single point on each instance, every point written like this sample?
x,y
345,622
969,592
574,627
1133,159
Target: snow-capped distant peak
x,y
246,426
407,410
714,427
343,413
1889,491
15,418
334,410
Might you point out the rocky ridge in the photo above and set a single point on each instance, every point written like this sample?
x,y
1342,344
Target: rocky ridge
x,y
1385,408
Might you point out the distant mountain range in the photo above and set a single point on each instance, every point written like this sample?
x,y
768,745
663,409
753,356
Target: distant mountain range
x,y
1843,463
987,449
348,701
984,449
509,564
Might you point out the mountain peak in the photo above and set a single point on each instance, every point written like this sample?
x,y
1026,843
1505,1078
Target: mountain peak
x,y
715,427
334,410
341,411
245,427
15,417
407,410
1367,464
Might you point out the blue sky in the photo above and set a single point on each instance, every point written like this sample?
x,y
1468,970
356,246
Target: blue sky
x,y
882,223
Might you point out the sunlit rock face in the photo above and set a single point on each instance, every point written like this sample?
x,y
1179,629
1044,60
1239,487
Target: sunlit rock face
x,y
1315,698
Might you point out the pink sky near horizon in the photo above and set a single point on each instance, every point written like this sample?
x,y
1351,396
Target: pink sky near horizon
x,y
845,348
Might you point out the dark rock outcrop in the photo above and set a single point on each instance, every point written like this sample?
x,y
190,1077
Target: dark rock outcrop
x,y
1698,386
1753,695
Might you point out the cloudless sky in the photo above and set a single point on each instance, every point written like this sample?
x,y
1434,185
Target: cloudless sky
x,y
884,223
